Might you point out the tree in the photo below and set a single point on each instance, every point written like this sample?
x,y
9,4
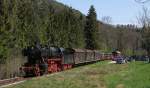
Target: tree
x,y
4,29
144,17
107,19
75,30
142,1
144,20
91,29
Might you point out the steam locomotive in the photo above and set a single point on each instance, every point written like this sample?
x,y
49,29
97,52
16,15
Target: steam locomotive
x,y
46,59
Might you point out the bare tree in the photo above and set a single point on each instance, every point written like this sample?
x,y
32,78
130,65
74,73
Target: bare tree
x,y
144,20
142,1
144,17
107,19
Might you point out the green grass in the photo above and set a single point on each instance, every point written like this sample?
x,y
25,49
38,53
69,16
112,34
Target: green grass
x,y
99,75
136,76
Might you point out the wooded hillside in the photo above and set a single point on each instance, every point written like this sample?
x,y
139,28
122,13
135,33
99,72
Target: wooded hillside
x,y
24,22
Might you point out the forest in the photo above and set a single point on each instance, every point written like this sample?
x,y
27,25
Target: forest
x,y
25,22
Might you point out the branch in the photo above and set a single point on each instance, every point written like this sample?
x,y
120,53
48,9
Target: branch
x,y
142,1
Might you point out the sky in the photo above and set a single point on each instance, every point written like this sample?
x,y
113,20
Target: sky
x,y
121,11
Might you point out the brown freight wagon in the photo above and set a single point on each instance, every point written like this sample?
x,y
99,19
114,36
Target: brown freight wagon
x,y
90,56
97,55
79,56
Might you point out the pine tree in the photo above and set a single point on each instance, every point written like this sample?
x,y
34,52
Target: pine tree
x,y
91,29
4,29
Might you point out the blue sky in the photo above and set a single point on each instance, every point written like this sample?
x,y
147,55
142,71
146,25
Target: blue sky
x,y
121,11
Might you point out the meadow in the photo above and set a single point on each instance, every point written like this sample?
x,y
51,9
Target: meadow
x,y
98,75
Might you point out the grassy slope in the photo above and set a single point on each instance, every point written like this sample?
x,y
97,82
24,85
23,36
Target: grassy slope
x,y
99,75
136,76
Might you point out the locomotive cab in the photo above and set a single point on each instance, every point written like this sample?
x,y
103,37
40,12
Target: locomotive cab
x,y
67,58
54,59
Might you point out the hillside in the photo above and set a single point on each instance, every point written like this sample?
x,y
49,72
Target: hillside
x,y
99,75
114,36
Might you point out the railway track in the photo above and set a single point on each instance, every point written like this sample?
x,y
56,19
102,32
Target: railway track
x,y
11,81
14,81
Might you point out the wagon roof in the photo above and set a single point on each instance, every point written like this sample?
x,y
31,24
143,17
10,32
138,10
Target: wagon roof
x,y
89,50
79,50
67,50
96,51
85,50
